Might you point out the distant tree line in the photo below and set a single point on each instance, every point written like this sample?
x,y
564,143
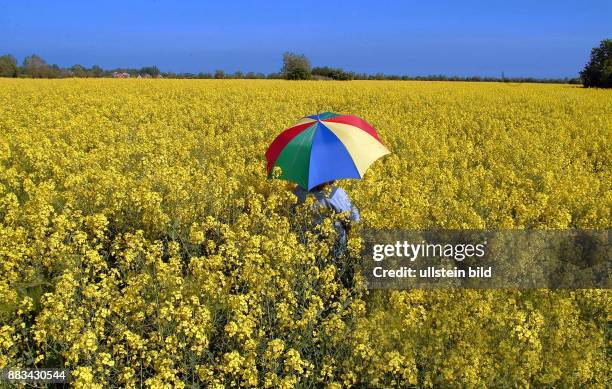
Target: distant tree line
x,y
297,67
34,66
597,73
326,72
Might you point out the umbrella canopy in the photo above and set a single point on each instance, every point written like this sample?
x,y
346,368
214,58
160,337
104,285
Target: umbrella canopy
x,y
325,147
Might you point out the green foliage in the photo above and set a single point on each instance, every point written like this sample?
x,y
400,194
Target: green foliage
x,y
36,67
296,67
8,66
152,71
598,72
333,73
78,71
219,73
96,71
82,71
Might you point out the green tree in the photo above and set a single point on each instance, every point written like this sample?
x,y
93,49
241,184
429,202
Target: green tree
x,y
152,71
296,67
8,66
36,67
598,72
53,71
78,71
219,73
96,71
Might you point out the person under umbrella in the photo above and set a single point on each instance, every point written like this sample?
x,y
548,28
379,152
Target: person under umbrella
x,y
320,149
333,198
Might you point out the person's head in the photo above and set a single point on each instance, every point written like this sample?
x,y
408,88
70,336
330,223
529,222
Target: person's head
x,y
323,186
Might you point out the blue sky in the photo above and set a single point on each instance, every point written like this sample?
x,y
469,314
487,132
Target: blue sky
x,y
521,38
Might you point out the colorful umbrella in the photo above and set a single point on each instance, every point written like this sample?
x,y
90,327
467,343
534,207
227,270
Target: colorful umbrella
x,y
325,147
